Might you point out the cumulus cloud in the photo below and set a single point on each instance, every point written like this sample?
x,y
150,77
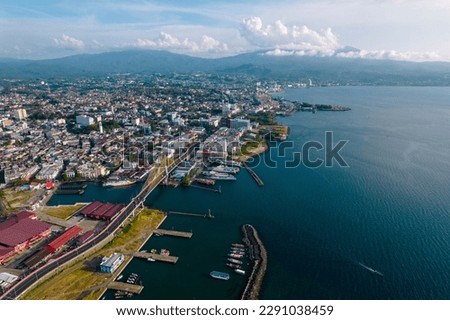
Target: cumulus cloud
x,y
67,42
392,55
171,42
299,40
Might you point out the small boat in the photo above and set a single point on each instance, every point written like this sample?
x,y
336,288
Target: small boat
x,y
233,266
239,271
119,277
208,182
143,251
235,255
219,275
238,245
151,260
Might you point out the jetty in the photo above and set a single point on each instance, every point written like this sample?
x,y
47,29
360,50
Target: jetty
x,y
207,215
127,287
155,256
254,175
173,233
258,254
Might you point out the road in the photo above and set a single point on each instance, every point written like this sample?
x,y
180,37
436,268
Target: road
x,y
137,201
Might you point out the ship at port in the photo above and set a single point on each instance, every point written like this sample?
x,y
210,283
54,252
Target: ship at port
x,y
219,275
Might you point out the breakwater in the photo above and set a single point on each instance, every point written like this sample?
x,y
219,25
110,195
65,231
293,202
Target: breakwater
x,y
258,254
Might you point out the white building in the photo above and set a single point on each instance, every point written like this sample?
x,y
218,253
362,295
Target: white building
x,y
20,114
84,121
49,172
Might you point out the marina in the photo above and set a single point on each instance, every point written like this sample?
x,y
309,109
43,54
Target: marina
x,y
254,175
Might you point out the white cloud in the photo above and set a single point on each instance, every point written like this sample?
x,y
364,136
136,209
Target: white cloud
x,y
171,42
67,42
294,38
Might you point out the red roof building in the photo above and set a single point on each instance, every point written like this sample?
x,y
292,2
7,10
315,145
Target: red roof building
x,y
85,237
68,235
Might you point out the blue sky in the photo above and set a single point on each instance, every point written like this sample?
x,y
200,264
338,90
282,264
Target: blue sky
x,y
391,29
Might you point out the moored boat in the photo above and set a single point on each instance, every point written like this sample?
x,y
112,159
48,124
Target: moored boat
x,y
234,261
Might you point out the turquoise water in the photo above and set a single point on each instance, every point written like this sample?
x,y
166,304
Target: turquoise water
x,y
326,230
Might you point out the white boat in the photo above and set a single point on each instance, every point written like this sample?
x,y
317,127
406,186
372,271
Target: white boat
x,y
222,176
151,260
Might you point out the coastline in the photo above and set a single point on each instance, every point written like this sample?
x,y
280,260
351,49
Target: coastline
x,y
77,274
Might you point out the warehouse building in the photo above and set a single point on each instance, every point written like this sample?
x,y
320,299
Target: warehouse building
x,y
111,263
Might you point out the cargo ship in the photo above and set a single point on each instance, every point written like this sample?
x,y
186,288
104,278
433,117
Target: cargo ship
x,y
234,261
219,275
208,182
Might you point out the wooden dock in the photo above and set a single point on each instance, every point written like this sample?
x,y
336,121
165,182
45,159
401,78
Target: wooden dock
x,y
127,287
254,175
174,233
156,257
208,215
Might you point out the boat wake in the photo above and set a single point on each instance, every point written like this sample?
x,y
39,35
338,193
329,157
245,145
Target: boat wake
x,y
370,269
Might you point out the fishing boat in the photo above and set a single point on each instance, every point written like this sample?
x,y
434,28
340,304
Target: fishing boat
x,y
234,261
208,182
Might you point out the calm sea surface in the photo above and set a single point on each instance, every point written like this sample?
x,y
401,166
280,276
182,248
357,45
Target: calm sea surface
x,y
379,229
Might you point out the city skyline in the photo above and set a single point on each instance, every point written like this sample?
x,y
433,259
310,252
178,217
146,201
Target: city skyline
x,y
376,29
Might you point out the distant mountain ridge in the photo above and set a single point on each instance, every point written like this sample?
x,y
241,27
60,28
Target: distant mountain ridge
x,y
258,64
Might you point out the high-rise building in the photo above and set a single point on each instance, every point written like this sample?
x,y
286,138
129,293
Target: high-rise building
x,y
20,114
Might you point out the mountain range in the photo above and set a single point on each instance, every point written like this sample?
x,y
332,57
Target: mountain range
x,y
260,65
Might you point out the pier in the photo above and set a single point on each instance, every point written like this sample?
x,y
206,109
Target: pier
x,y
208,215
254,175
155,256
205,188
173,233
127,287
